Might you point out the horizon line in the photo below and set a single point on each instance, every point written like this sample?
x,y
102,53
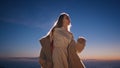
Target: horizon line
x,y
38,57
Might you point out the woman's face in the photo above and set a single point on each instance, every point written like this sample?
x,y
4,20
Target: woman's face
x,y
66,20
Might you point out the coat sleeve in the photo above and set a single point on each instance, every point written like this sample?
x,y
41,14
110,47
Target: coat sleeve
x,y
45,54
73,58
80,44
42,60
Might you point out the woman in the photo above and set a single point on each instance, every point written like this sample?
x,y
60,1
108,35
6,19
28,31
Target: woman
x,y
59,49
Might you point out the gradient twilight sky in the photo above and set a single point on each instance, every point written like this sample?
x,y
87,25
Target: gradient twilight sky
x,y
24,22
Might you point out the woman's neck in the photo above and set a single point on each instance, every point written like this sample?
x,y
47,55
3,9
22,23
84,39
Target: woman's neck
x,y
65,27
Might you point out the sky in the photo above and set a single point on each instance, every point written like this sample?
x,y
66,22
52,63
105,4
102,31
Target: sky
x,y
24,22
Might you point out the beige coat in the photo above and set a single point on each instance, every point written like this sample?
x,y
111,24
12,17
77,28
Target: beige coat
x,y
74,61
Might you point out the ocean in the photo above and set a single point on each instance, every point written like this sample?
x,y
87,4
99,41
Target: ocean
x,y
33,63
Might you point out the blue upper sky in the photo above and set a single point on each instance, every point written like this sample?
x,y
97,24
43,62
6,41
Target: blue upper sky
x,y
24,22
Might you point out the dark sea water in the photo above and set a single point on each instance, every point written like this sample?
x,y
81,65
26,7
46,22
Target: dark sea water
x,y
102,64
33,63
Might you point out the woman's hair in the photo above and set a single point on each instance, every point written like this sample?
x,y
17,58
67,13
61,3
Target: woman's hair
x,y
59,22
